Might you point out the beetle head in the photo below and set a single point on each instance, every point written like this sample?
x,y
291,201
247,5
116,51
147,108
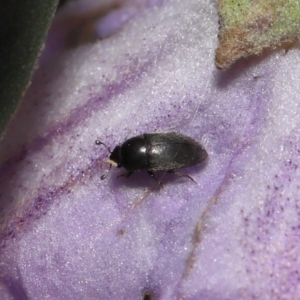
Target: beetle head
x,y
115,157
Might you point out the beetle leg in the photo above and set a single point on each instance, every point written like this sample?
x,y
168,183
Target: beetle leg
x,y
182,175
126,175
155,178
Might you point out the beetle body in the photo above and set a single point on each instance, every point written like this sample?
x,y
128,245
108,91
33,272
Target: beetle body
x,y
158,152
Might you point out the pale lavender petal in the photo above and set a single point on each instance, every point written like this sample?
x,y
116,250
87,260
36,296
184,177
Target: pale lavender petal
x,y
114,21
234,235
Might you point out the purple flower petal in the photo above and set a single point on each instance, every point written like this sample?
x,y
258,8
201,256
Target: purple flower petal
x,y
234,235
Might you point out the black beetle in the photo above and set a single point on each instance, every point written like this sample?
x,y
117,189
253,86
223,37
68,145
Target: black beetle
x,y
153,152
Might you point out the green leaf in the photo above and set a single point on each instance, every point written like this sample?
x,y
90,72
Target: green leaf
x,y
248,27
23,29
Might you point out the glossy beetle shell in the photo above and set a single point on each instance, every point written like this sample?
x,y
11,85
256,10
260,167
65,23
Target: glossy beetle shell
x,y
158,152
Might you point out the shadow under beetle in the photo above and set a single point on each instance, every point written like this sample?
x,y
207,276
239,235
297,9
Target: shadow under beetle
x,y
153,152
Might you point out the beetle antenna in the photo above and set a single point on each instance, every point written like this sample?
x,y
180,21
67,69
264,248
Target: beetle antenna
x,y
98,142
105,175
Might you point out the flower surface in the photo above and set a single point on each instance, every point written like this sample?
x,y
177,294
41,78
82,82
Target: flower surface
x,y
67,234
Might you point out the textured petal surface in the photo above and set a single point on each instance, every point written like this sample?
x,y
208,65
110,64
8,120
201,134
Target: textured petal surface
x,y
234,235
